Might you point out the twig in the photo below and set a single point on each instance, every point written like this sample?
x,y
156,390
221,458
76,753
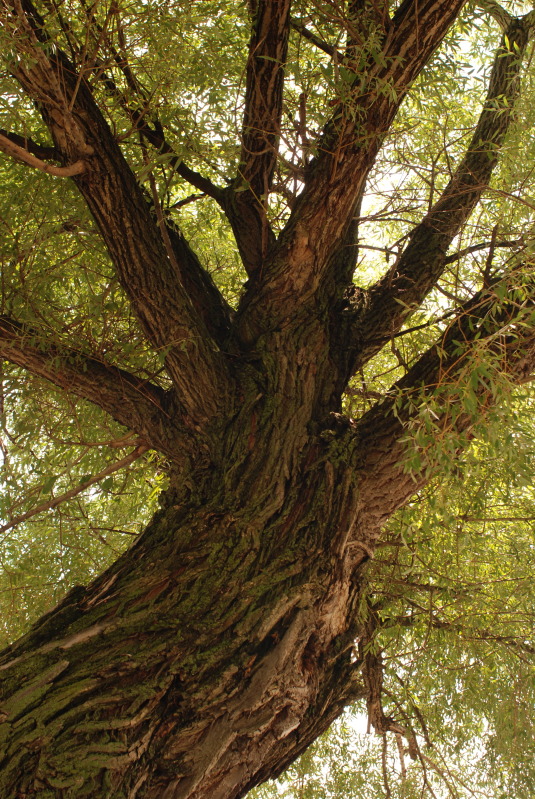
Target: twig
x,y
456,256
73,492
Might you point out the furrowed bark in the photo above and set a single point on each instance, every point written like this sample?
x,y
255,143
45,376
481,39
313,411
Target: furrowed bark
x,y
382,311
218,646
334,181
148,272
285,314
246,198
135,403
130,687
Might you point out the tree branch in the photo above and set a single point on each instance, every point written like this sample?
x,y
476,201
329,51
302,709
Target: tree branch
x,y
154,285
135,403
346,151
431,618
151,128
497,12
8,146
503,330
485,245
41,151
381,312
206,297
303,31
154,134
246,198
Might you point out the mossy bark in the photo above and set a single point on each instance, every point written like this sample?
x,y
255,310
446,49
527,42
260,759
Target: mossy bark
x,y
209,655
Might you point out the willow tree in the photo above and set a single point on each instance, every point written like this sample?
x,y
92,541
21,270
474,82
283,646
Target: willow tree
x,y
215,649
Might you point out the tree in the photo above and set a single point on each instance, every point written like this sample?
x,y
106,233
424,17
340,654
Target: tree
x,y
214,650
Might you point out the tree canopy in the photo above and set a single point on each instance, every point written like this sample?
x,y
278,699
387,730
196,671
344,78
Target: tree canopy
x,y
267,337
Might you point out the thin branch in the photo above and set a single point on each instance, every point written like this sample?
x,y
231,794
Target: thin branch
x,y
153,131
8,146
497,12
468,518
41,151
155,136
73,492
456,256
303,31
460,629
191,198
364,18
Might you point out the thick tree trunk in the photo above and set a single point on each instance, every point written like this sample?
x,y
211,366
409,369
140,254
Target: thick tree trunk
x,y
210,654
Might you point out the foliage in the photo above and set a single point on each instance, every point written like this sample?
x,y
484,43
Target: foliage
x,y
450,589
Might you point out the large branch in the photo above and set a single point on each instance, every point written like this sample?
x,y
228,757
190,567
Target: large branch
x,y
347,149
246,198
135,403
488,326
388,304
208,301
147,266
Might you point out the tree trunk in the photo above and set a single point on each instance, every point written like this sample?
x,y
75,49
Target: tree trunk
x,y
210,655
222,643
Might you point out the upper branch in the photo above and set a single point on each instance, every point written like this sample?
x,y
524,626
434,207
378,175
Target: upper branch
x,y
388,304
153,132
149,270
208,301
303,31
500,14
346,151
137,404
246,198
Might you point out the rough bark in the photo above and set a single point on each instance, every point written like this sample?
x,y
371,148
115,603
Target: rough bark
x,y
247,197
223,642
230,624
